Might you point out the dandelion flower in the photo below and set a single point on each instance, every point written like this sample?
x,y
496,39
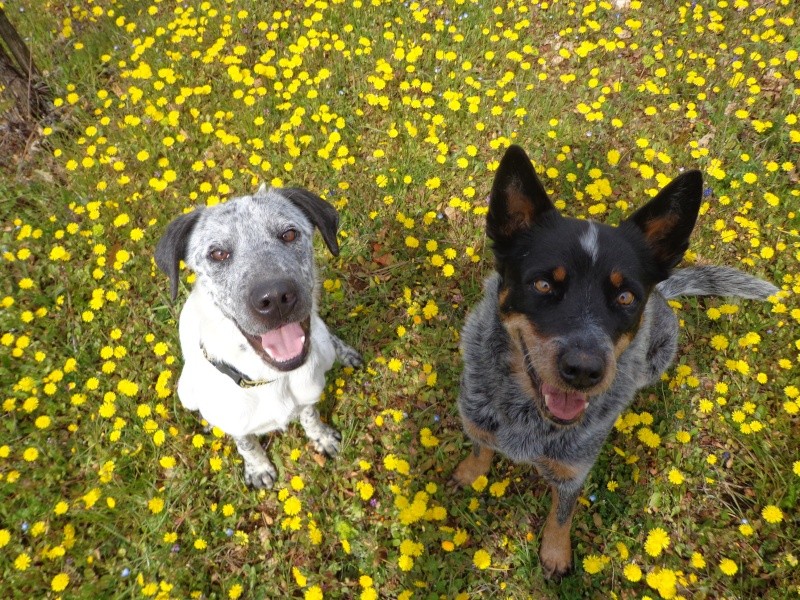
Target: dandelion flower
x,y
593,564
772,514
481,559
727,566
60,582
313,593
657,541
632,572
675,477
235,591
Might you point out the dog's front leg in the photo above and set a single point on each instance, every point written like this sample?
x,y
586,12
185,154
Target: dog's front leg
x,y
566,482
556,547
325,438
476,464
258,470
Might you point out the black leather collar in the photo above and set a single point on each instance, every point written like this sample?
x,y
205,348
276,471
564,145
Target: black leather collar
x,y
235,374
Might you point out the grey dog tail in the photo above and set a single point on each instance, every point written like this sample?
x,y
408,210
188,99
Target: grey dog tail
x,y
715,281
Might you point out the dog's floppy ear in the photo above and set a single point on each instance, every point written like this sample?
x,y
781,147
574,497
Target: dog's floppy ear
x,y
518,199
171,248
668,219
320,213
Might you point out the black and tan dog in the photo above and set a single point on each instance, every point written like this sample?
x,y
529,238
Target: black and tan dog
x,y
574,321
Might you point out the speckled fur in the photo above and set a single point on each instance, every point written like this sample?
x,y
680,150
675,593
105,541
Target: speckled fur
x,y
218,314
501,404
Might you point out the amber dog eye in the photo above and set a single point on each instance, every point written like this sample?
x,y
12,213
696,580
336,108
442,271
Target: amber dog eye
x,y
625,299
289,235
542,286
219,255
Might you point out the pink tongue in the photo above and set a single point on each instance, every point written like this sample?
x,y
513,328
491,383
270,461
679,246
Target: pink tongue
x,y
564,405
284,343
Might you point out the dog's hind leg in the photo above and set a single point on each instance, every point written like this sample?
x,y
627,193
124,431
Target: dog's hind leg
x,y
346,354
258,470
663,343
325,438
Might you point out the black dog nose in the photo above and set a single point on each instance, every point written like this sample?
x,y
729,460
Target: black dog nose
x,y
273,298
581,369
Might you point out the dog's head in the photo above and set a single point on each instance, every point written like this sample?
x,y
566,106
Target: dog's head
x,y
573,292
254,256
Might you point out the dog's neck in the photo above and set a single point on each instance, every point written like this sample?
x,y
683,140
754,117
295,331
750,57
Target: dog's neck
x,y
236,376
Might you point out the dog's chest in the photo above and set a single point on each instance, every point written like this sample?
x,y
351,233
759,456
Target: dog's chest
x,y
238,411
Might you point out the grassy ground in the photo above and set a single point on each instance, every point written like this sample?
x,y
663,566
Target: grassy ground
x,y
398,114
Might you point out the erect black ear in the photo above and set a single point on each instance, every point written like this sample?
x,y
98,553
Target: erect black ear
x,y
171,248
668,219
518,198
320,213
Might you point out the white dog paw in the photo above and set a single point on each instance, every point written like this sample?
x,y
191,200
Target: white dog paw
x,y
261,476
346,354
350,357
327,441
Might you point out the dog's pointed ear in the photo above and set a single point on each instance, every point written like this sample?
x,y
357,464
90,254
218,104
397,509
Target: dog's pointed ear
x,y
518,199
322,214
668,219
171,248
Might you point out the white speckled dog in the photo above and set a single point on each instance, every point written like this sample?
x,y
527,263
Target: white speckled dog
x,y
255,349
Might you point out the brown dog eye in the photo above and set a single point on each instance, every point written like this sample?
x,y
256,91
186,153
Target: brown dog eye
x,y
219,255
289,235
542,286
625,299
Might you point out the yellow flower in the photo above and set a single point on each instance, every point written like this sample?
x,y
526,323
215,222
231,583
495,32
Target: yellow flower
x,y
593,564
301,579
405,562
480,483
60,582
632,572
498,488
22,562
365,490
5,537
292,506
719,342
698,562
411,548
772,514
727,566
657,541
156,505
313,593
481,559
235,591
675,477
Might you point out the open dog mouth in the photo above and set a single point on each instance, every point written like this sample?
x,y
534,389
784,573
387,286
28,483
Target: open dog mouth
x,y
284,348
560,406
564,406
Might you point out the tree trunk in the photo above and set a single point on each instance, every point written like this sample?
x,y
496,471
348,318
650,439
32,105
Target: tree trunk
x,y
19,74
